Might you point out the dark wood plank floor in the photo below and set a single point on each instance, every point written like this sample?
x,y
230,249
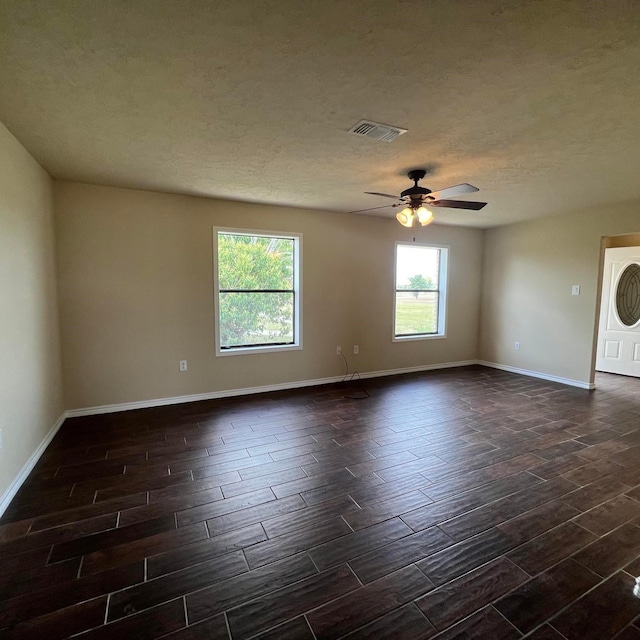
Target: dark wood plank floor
x,y
466,503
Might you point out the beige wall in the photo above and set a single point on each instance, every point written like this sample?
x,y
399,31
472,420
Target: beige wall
x,y
30,374
528,271
136,295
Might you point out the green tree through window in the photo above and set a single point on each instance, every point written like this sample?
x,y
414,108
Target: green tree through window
x,y
256,290
419,283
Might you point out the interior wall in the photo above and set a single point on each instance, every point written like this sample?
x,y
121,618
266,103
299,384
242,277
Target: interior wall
x,y
31,399
136,295
528,273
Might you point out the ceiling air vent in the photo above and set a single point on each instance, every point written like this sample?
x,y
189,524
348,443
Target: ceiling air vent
x,y
377,131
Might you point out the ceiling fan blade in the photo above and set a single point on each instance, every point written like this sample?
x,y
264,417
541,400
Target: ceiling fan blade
x,y
384,195
386,206
457,204
450,192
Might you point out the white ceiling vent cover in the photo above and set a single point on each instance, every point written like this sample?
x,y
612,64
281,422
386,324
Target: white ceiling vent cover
x,y
377,131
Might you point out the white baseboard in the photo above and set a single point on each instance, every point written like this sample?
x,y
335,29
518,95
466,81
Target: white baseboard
x,y
425,367
228,393
536,374
195,397
12,489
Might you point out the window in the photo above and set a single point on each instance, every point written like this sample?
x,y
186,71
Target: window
x,y
257,294
420,291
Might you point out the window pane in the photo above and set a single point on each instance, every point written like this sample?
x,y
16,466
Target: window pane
x,y
416,313
417,267
255,319
253,262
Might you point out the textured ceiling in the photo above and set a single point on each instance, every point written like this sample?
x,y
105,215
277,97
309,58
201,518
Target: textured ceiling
x,y
536,103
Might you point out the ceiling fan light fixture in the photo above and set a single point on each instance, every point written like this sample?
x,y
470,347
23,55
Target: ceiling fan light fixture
x,y
424,216
414,198
405,217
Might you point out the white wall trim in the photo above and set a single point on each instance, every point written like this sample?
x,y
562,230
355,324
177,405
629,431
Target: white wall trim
x,y
423,367
536,374
297,384
228,393
12,489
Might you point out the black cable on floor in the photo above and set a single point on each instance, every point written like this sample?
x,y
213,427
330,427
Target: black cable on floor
x,y
363,393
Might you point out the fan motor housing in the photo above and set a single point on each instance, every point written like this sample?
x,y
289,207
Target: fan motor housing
x,y
415,191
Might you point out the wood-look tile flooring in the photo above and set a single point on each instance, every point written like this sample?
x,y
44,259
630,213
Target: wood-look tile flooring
x,y
466,503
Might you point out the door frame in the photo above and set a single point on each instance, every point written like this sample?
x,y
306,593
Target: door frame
x,y
606,242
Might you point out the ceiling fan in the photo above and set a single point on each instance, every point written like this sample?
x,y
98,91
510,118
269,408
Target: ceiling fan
x,y
415,198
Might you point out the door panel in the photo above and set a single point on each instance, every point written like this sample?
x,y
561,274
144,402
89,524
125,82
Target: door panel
x,y
619,327
612,349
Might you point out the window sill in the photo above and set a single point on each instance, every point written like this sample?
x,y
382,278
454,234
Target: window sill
x,y
431,336
245,351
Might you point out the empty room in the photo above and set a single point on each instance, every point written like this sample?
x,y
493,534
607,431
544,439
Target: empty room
x,y
320,321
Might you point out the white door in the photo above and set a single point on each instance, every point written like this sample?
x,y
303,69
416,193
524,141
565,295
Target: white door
x,y
619,328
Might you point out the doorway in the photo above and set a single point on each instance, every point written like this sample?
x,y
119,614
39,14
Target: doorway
x,y
618,344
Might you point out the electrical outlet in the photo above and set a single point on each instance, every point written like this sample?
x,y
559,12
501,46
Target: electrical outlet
x,y
575,290
516,346
356,349
338,351
183,365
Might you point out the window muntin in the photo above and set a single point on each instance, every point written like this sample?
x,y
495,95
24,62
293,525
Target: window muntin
x,y
257,291
420,291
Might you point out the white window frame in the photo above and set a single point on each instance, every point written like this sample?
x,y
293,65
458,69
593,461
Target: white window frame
x,y
443,285
297,286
